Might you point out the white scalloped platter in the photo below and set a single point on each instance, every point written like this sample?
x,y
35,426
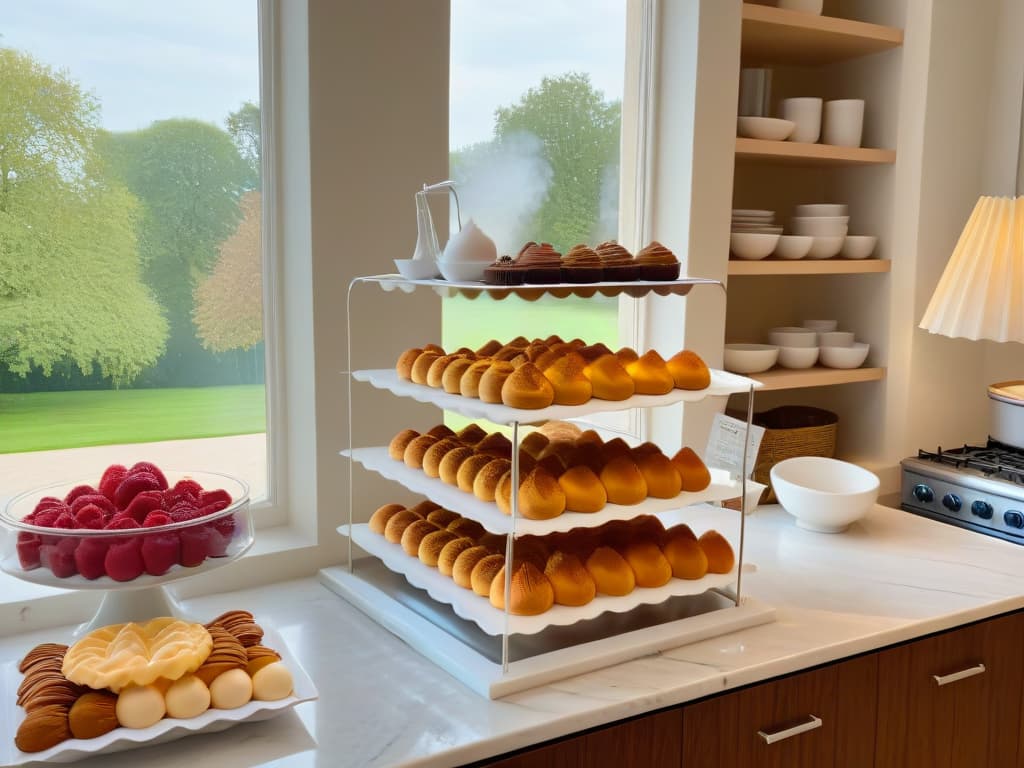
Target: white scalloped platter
x,y
493,519
479,610
634,288
168,729
722,383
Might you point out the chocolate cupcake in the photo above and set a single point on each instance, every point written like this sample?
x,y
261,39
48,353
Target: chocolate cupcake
x,y
581,265
504,272
657,262
617,263
542,263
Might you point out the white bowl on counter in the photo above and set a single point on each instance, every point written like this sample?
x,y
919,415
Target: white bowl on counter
x,y
821,326
858,246
793,246
825,247
767,128
852,356
835,338
752,246
822,209
417,269
798,357
462,271
791,336
824,495
750,358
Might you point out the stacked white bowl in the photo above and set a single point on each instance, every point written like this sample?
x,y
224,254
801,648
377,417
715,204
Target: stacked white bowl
x,y
754,233
837,349
827,223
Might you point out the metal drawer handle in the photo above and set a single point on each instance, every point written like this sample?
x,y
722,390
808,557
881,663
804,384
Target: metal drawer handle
x,y
796,730
962,674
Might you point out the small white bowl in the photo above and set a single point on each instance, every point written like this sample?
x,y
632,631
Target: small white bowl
x,y
768,128
821,326
822,209
752,245
858,246
791,336
798,357
825,247
831,226
835,338
750,358
824,495
462,271
417,269
852,356
793,246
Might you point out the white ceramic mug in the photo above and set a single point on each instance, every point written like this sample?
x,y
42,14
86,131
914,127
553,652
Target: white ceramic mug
x,y
806,113
844,122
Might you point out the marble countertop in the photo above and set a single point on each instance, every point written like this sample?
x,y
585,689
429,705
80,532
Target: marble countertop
x,y
891,577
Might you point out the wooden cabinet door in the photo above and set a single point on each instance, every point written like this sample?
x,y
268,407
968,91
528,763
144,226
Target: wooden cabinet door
x,y
819,719
938,709
561,754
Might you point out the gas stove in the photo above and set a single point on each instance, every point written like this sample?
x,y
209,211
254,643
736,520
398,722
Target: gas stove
x,y
975,487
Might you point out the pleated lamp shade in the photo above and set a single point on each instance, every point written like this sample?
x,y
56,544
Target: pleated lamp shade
x,y
981,292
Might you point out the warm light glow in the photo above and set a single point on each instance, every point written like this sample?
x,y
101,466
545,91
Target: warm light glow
x,y
981,292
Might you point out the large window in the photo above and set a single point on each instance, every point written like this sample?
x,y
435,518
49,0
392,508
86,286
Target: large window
x,y
536,103
131,318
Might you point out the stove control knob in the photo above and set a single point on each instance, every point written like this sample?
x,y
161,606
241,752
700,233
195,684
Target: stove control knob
x,y
923,493
982,509
952,502
1013,518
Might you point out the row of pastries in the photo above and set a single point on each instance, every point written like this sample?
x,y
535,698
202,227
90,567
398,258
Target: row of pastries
x,y
580,473
568,569
535,374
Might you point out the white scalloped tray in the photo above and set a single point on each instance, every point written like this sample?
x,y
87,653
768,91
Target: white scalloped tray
x,y
722,383
479,610
168,729
490,517
634,288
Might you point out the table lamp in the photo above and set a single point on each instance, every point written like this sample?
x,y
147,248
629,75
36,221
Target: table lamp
x,y
981,292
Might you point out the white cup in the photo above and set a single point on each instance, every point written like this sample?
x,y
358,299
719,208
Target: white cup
x,y
806,113
844,122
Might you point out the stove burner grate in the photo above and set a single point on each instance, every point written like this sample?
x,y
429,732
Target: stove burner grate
x,y
994,460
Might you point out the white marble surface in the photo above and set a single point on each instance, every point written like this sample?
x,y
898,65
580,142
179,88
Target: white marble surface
x,y
891,577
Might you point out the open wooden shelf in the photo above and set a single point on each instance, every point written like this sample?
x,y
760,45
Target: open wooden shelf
x,y
798,153
785,378
777,36
809,267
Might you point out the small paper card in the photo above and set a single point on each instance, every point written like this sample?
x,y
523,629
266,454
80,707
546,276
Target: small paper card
x,y
725,445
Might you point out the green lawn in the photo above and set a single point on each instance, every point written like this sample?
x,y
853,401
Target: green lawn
x,y
46,420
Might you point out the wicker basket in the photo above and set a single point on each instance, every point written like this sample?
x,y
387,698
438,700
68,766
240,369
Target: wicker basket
x,y
791,430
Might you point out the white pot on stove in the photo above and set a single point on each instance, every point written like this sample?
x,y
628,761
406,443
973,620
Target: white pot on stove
x,y
1006,412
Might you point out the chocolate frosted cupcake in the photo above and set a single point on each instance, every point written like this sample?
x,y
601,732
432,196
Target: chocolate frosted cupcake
x,y
542,263
657,262
504,272
581,265
617,263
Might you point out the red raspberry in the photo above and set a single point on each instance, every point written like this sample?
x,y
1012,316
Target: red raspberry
x,y
124,560
66,520
154,519
183,512
78,490
195,543
48,518
28,550
47,502
159,552
183,490
90,556
113,476
97,499
91,516
60,557
143,504
153,469
132,486
219,496
121,522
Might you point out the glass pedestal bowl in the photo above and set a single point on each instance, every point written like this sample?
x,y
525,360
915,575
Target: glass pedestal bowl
x,y
131,565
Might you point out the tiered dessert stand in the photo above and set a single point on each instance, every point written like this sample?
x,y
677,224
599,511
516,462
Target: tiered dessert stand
x,y
490,650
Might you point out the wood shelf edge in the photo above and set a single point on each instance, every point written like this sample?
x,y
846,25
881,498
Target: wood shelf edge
x,y
818,376
835,25
739,268
811,153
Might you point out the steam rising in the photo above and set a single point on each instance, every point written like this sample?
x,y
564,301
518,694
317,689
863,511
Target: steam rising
x,y
501,187
607,225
